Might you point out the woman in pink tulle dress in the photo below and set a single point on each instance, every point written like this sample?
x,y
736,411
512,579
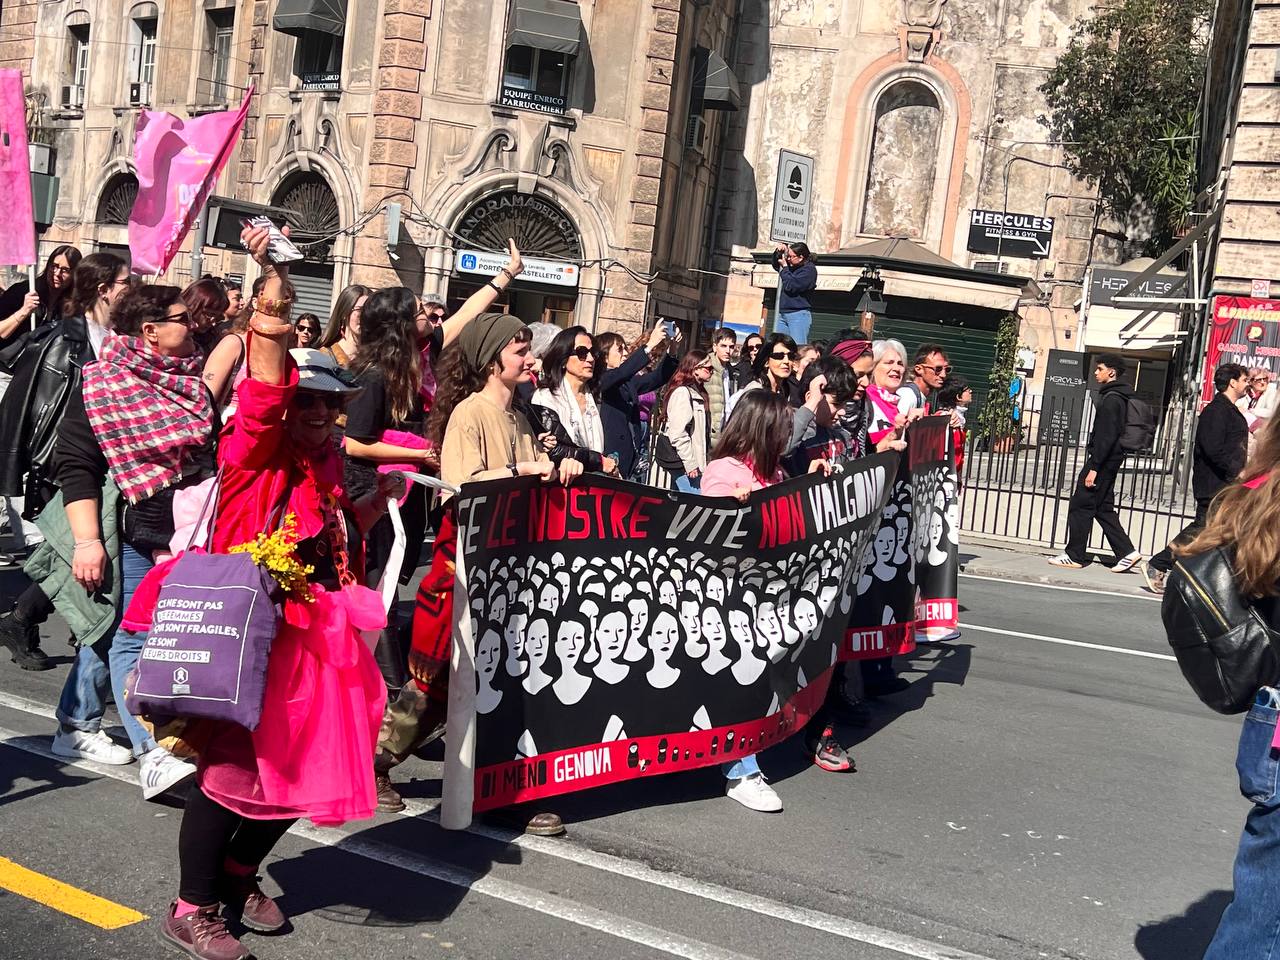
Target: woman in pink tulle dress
x,y
311,753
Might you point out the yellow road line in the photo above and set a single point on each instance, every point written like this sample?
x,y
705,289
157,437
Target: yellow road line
x,y
65,898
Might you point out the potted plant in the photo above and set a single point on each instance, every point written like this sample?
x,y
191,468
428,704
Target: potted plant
x,y
39,137
996,418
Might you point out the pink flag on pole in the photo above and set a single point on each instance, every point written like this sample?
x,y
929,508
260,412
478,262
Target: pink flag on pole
x,y
178,163
17,220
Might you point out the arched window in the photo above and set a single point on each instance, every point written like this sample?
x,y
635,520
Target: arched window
x,y
312,211
117,199
903,165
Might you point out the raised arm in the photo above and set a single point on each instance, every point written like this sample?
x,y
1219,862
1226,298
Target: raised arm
x,y
271,333
634,363
483,299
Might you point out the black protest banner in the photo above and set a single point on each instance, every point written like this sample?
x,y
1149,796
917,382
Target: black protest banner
x,y
935,517
908,588
618,631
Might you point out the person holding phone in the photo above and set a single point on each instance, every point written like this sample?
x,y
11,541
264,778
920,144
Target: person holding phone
x,y
797,279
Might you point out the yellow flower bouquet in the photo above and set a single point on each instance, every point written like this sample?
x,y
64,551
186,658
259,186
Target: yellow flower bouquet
x,y
277,553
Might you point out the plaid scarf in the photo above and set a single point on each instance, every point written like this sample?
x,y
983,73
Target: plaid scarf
x,y
148,412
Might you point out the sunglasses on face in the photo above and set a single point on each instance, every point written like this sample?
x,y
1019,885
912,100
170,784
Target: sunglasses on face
x,y
582,353
306,399
784,355
308,329
941,370
754,348
183,318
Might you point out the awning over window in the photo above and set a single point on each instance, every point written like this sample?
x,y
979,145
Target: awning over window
x,y
713,77
296,17
553,25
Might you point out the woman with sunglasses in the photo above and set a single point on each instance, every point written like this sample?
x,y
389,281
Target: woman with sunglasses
x,y
682,427
208,302
568,387
24,309
307,331
309,754
46,377
743,371
772,370
142,428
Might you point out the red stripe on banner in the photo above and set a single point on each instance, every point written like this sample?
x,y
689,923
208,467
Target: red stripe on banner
x,y
941,612
600,764
873,643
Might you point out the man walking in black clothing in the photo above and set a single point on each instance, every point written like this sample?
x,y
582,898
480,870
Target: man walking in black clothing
x,y
1222,440
1094,497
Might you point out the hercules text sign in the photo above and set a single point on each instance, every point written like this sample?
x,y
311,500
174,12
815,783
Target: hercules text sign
x,y
1002,234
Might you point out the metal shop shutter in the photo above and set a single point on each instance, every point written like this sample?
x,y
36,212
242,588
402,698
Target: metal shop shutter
x,y
313,292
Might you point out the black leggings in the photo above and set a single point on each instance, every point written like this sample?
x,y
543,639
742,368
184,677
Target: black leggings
x,y
210,834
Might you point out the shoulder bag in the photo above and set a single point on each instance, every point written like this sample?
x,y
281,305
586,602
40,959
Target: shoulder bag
x,y
214,621
1225,647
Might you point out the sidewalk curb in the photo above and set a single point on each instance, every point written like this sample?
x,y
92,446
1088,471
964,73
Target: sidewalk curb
x,y
1123,588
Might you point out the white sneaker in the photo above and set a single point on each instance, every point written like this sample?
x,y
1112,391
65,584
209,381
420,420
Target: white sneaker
x,y
754,794
78,745
160,771
1127,563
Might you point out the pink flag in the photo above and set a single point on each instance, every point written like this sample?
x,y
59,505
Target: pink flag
x,y
17,221
178,163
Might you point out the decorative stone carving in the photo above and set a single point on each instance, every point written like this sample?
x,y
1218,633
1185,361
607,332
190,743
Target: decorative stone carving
x,y
922,13
917,44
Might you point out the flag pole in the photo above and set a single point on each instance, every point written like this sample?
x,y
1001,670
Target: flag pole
x,y
458,792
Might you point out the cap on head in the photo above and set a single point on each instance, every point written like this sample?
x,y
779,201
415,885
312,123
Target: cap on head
x,y
319,371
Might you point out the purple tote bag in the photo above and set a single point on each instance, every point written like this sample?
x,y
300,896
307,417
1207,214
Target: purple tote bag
x,y
206,654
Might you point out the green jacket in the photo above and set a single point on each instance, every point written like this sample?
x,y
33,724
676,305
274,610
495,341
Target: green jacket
x,y
90,616
717,397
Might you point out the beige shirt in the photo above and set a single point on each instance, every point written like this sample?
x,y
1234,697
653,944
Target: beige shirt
x,y
482,440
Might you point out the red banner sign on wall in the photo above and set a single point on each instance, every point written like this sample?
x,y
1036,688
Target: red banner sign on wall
x,y
1243,330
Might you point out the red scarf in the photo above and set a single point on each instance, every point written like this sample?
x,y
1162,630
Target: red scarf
x,y
148,412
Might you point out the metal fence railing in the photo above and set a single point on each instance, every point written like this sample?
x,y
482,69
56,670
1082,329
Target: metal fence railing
x,y
1019,476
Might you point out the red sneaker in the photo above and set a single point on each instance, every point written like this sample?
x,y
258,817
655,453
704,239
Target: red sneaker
x,y
828,754
202,934
257,911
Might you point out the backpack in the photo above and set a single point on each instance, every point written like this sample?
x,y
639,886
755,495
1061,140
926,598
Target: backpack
x,y
1139,426
1225,648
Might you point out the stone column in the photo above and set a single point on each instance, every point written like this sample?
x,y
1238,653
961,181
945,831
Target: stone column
x,y
623,309
17,35
393,149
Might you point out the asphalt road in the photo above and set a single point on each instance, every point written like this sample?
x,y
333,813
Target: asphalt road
x,y
1034,794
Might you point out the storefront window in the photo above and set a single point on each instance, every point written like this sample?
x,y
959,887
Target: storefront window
x,y
535,80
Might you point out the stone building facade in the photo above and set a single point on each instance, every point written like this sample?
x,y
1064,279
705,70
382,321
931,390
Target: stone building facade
x,y
917,113
590,131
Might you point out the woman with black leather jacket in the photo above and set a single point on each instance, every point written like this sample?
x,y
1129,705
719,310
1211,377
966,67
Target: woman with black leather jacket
x,y
23,309
31,414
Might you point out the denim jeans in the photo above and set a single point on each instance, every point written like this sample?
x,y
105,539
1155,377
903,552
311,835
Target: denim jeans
x,y
794,323
107,663
685,485
1250,927
746,767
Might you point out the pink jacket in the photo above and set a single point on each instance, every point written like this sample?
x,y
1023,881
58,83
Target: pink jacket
x,y
728,475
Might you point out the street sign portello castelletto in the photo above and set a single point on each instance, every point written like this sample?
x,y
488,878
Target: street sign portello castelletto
x,y
998,233
540,271
792,198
